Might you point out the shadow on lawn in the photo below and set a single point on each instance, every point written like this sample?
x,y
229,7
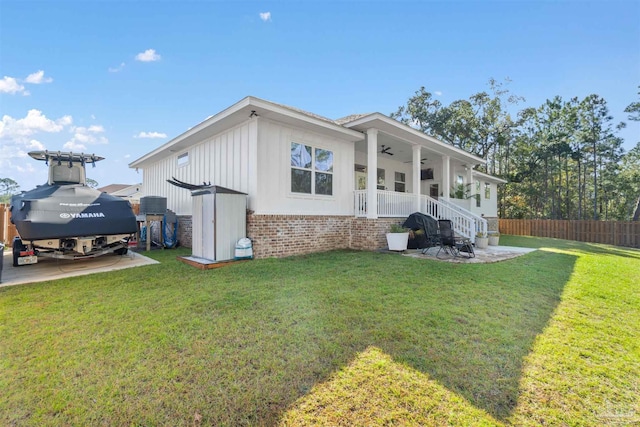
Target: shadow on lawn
x,y
468,327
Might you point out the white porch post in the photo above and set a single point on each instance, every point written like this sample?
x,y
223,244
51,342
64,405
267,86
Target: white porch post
x,y
446,177
472,188
372,173
416,177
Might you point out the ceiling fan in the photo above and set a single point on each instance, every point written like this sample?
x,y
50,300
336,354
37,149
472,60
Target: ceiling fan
x,y
421,161
384,150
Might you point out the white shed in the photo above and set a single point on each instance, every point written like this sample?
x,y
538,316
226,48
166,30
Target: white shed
x,y
219,221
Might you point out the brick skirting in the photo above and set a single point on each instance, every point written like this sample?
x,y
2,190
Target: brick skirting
x,y
285,235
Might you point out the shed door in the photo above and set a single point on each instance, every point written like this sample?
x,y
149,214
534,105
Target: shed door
x,y
208,218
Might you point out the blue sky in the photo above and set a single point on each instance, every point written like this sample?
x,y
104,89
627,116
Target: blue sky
x,y
120,78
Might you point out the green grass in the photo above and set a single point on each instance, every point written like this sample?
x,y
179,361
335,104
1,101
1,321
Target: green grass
x,y
338,338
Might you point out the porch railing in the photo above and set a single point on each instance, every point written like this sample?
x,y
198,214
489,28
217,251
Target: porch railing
x,y
481,223
394,204
390,203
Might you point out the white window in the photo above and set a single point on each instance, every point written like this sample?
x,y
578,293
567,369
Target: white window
x,y
460,180
183,159
487,190
311,170
380,179
400,183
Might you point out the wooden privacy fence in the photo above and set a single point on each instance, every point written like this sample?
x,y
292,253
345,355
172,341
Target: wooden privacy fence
x,y
617,233
7,230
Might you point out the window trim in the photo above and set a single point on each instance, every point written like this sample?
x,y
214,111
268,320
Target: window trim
x,y
403,175
183,163
313,169
487,190
384,179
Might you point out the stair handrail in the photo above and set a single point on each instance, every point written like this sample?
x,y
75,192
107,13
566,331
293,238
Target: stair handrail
x,y
481,223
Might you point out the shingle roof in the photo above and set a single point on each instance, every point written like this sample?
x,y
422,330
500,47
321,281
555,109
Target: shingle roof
x,y
350,118
306,113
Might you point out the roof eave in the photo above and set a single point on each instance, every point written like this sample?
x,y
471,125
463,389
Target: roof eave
x,y
490,177
441,147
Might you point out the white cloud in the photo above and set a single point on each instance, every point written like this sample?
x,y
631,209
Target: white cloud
x,y
38,78
10,85
437,93
151,135
32,123
126,156
17,139
83,136
117,69
148,55
265,16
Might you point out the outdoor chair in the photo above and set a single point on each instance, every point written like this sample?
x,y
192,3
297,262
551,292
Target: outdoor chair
x,y
452,245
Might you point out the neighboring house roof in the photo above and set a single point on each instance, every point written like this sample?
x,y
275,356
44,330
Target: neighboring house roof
x,y
122,190
113,188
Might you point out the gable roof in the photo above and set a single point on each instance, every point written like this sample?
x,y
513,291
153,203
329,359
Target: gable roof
x,y
240,112
349,128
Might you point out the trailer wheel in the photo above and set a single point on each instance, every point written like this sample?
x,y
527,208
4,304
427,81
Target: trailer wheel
x,y
17,247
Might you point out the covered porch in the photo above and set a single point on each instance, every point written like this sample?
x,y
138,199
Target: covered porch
x,y
404,171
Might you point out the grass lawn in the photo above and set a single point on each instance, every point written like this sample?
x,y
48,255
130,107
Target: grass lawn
x,y
338,338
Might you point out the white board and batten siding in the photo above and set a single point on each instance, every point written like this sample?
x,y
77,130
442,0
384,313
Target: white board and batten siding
x,y
223,160
274,195
230,159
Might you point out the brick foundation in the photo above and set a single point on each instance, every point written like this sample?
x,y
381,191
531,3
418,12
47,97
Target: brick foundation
x,y
370,234
492,223
286,235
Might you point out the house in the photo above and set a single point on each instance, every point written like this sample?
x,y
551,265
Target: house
x,y
126,191
317,184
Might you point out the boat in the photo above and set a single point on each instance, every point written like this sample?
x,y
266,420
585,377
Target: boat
x,y
67,219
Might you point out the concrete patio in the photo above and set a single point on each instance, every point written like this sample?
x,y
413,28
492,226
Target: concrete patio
x,y
52,269
483,256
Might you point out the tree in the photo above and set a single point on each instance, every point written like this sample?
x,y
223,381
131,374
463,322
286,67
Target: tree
x,y
634,110
8,187
92,183
480,124
562,160
634,114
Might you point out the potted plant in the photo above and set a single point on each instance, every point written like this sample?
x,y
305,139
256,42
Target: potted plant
x,y
397,238
494,238
482,240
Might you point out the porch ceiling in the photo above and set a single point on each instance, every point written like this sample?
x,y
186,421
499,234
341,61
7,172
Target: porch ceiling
x,y
401,138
